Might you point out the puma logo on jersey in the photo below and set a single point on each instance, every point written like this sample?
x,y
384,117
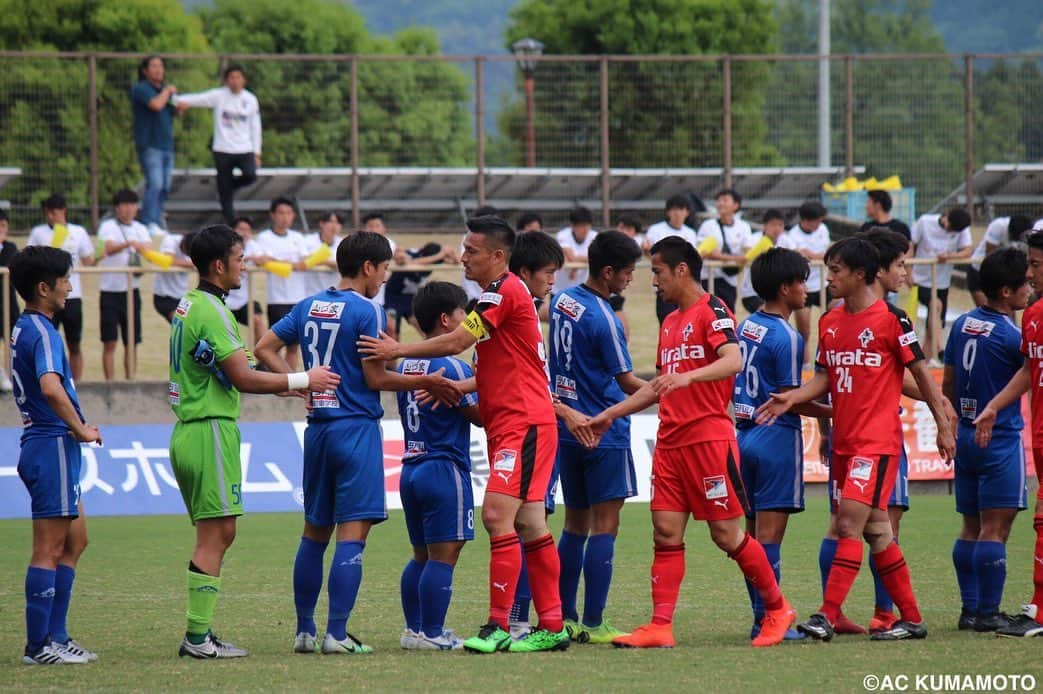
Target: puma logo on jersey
x,y
861,485
865,337
1039,560
832,332
723,503
502,587
1033,324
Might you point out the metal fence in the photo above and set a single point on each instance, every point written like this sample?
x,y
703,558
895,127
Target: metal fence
x,y
65,118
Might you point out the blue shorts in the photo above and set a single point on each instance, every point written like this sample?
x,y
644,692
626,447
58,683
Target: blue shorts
x,y
591,477
50,470
992,477
900,494
438,501
771,459
344,472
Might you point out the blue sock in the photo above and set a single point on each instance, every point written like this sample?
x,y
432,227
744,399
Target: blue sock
x,y
410,591
826,551
883,598
597,577
307,582
436,590
343,586
963,561
39,596
990,560
570,553
63,579
522,594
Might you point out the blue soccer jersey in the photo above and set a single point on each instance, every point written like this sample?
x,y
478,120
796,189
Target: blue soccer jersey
x,y
772,354
588,350
440,432
327,326
37,349
984,350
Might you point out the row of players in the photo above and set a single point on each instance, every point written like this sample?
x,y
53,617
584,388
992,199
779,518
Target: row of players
x,y
865,346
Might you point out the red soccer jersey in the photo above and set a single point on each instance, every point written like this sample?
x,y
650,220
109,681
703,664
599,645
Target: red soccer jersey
x,y
513,385
689,340
1032,348
865,354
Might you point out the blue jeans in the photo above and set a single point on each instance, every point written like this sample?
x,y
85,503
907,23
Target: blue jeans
x,y
157,165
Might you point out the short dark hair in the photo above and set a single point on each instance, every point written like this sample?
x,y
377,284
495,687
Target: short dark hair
x,y
775,268
486,211
1005,267
211,244
124,196
242,220
278,201
1035,240
527,218
495,228
890,245
678,202
732,192
56,201
771,214
330,216
35,264
855,253
581,215
233,67
357,248
186,243
612,249
1017,226
3,215
812,210
673,250
370,216
632,221
434,299
143,65
882,198
534,252
959,219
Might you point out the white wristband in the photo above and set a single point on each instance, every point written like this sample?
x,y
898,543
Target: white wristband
x,y
297,381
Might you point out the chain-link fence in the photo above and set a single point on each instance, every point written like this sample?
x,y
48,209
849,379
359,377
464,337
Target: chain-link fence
x,y
65,120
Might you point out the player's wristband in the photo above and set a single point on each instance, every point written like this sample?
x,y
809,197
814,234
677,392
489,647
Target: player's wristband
x,y
297,381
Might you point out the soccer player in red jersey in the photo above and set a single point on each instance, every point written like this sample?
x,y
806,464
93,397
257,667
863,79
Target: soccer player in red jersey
x,y
515,403
1030,622
864,348
695,468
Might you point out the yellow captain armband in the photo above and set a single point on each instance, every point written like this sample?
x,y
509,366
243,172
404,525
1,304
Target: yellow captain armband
x,y
474,325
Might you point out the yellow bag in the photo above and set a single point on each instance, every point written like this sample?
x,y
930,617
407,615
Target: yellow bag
x,y
319,256
61,232
761,246
163,260
707,245
279,267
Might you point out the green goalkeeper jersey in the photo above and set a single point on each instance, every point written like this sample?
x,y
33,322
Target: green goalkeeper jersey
x,y
203,333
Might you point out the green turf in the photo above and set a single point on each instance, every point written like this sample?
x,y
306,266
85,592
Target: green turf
x,y
129,606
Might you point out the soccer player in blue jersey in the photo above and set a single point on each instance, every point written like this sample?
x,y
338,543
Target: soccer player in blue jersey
x,y
982,355
49,462
591,371
772,457
343,449
436,482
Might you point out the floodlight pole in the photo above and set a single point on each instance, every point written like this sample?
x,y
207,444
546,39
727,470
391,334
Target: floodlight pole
x,y
823,83
526,50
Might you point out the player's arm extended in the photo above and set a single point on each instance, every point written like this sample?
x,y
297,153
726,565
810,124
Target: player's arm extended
x,y
246,380
384,348
817,409
781,403
1017,386
946,439
441,388
948,384
58,400
630,383
267,352
911,389
472,415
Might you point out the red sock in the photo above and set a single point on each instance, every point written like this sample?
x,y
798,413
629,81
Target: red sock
x,y
667,574
504,564
894,574
541,556
842,573
755,566
1037,568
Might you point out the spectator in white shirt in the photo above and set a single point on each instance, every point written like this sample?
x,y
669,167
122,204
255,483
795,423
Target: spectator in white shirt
x,y
237,299
677,211
529,221
281,243
733,238
329,234
631,226
773,225
1001,232
124,239
945,237
810,238
237,134
169,287
77,243
574,240
374,222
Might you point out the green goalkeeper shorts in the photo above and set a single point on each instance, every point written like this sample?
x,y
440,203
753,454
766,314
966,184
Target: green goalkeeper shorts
x,y
205,458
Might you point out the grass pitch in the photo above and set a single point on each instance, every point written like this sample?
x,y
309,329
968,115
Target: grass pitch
x,y
129,606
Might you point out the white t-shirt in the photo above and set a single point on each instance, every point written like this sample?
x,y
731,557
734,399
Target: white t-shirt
x,y
932,240
739,237
783,241
237,298
171,284
77,244
112,230
237,118
996,234
320,281
661,230
570,277
817,242
289,247
379,298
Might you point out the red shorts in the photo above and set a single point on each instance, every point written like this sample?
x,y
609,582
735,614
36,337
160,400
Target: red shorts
x,y
521,462
868,479
701,478
1037,458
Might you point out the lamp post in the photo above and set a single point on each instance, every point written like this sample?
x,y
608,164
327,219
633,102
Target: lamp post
x,y
526,50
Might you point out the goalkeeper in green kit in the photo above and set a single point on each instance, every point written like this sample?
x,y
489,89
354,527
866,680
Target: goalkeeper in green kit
x,y
208,369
